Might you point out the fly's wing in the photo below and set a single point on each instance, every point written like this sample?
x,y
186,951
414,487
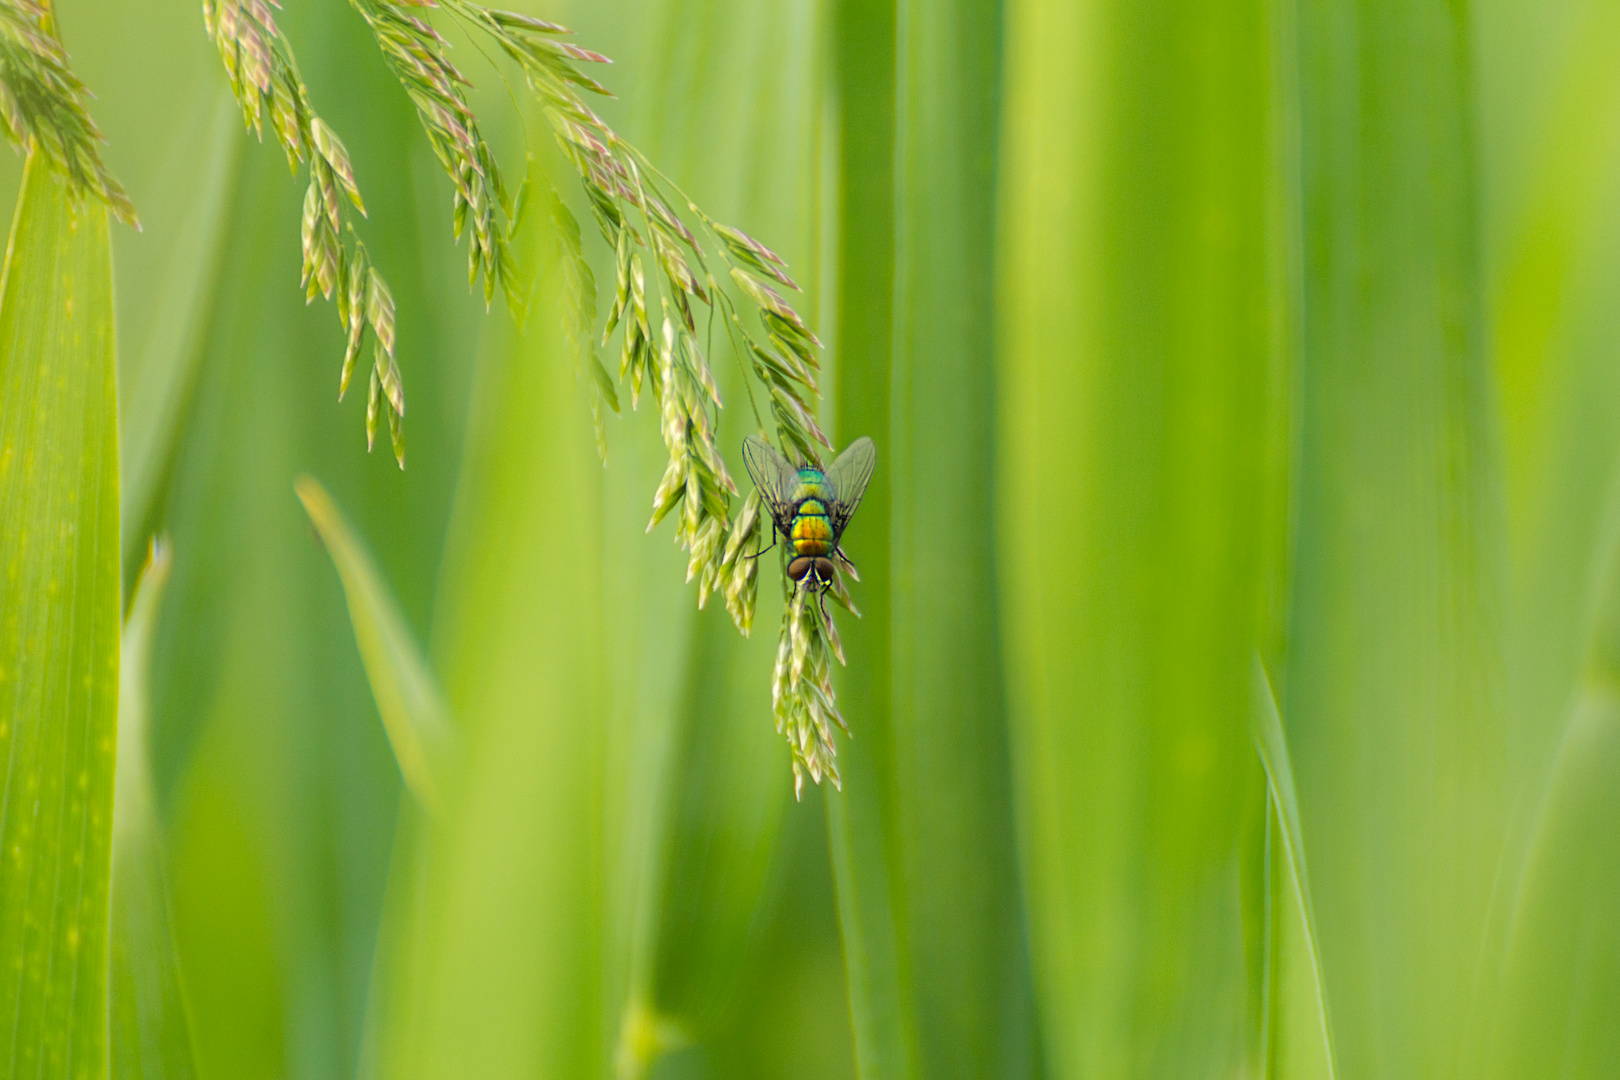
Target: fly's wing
x,y
848,477
774,477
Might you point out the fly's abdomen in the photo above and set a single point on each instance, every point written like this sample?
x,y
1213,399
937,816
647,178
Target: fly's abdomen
x,y
812,532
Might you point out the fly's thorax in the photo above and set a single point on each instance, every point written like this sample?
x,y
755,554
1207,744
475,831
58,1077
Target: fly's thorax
x,y
812,485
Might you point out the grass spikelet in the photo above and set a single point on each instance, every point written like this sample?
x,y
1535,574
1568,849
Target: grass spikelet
x,y
42,104
418,57
264,76
801,687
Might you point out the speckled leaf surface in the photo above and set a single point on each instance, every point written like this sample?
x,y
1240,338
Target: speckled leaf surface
x,y
59,629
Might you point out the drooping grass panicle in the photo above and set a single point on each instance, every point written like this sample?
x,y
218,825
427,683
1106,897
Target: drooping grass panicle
x,y
635,207
42,104
674,268
419,58
264,76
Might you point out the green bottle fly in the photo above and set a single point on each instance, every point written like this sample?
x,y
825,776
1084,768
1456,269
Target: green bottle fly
x,y
810,507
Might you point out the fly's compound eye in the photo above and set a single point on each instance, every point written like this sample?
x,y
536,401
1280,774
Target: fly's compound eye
x,y
799,567
824,570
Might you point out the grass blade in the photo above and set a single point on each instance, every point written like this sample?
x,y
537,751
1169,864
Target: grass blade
x,y
1393,691
173,140
407,696
59,626
513,915
1556,1010
1135,416
1551,157
730,781
865,849
151,1035
172,303
1295,890
950,791
923,832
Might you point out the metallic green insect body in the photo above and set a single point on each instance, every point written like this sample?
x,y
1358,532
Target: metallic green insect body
x,y
810,507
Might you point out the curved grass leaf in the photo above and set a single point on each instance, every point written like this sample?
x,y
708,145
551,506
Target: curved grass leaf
x,y
414,715
1294,1017
151,1034
407,696
59,627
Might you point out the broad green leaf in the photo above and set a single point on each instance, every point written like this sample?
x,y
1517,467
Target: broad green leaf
x,y
1137,381
151,1035
407,696
1299,1034
59,625
1392,693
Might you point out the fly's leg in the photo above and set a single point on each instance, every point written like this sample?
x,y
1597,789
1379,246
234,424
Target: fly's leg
x,y
762,551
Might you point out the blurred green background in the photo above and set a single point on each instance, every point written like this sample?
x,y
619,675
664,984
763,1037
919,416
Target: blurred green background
x,y
1238,687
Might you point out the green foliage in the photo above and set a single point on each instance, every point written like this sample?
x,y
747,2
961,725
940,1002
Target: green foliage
x,y
1234,689
637,208
59,624
1296,1033
923,835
